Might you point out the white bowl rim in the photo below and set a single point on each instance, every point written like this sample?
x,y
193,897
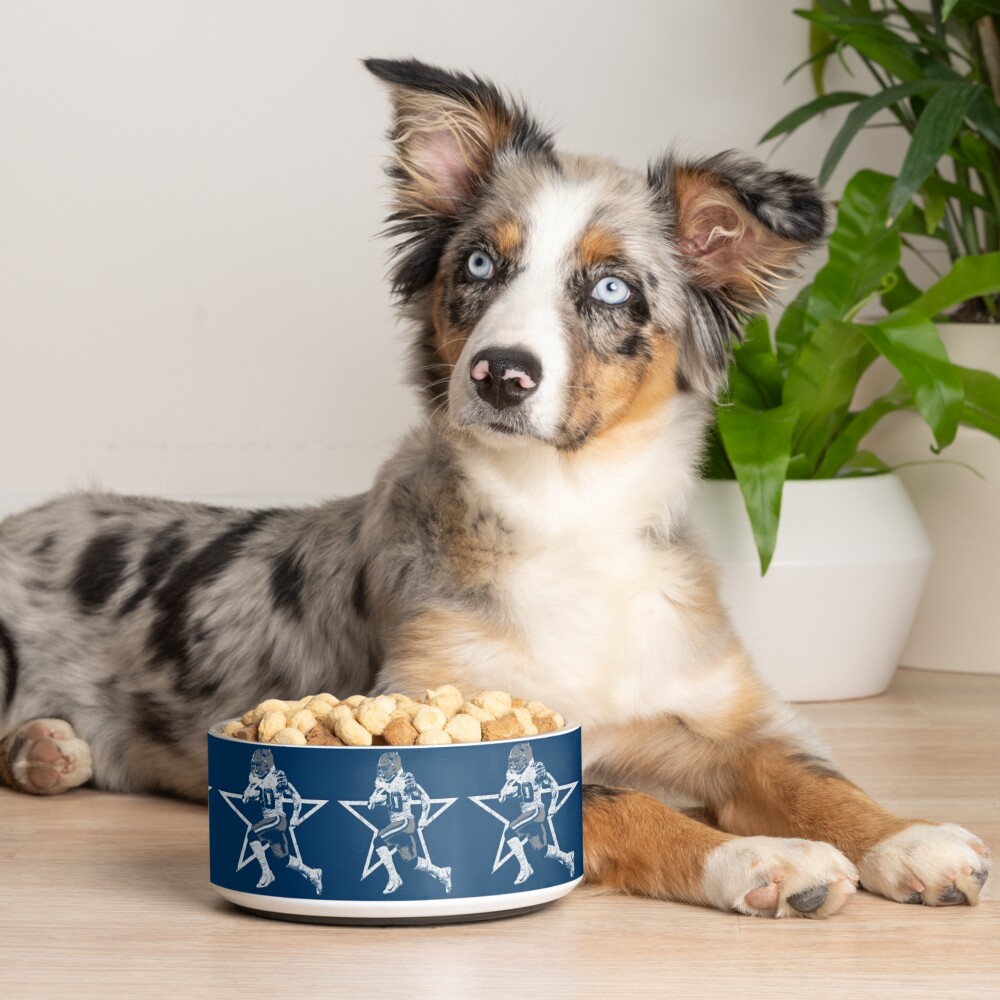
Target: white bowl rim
x,y
400,910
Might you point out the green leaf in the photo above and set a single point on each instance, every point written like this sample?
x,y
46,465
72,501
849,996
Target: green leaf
x,y
969,278
934,206
799,467
862,251
789,334
936,130
863,112
758,444
802,114
890,51
985,115
823,54
899,293
865,463
947,7
949,189
919,27
982,399
822,381
715,464
845,445
910,341
819,47
754,377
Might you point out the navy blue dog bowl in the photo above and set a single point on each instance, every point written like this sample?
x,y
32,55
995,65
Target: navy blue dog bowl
x,y
422,834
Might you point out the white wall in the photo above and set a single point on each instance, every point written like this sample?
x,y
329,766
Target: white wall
x,y
191,288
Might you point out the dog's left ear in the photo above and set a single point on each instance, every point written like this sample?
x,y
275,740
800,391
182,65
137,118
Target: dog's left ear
x,y
740,228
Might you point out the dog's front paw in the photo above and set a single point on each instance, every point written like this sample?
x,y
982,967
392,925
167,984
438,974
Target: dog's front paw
x,y
775,877
45,757
925,863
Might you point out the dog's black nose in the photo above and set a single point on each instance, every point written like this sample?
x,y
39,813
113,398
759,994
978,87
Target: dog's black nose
x,y
505,376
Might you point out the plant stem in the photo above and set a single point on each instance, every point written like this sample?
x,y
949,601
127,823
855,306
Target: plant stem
x,y
991,188
970,235
954,228
882,82
938,23
990,43
950,224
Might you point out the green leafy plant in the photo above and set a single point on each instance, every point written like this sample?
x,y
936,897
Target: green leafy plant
x,y
937,74
787,411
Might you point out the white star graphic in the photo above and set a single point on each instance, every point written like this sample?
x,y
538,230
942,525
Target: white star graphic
x,y
501,858
232,798
351,805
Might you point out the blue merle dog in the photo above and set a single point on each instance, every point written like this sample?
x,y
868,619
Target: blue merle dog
x,y
571,325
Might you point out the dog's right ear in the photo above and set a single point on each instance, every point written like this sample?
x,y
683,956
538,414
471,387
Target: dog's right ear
x,y
448,130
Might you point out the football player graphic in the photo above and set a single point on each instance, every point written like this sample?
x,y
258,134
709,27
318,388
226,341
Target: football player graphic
x,y
271,789
527,779
398,791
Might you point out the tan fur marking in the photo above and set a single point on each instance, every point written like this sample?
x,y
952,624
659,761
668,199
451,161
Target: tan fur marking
x,y
598,245
507,236
635,844
726,247
657,386
754,784
779,796
619,395
448,340
433,648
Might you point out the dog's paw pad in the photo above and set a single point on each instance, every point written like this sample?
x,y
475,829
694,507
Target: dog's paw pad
x,y
45,757
941,865
775,877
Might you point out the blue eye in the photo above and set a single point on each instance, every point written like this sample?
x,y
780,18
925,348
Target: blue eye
x,y
612,291
480,265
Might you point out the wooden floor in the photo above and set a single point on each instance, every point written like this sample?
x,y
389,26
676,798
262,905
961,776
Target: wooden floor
x,y
108,896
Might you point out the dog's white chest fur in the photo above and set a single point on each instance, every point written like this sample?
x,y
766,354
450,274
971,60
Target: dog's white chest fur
x,y
607,631
607,617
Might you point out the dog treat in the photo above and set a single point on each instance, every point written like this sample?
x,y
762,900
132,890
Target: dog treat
x,y
428,717
442,715
545,723
479,714
352,732
497,703
448,698
400,732
303,720
464,729
373,716
271,724
524,717
505,728
431,737
320,736
293,737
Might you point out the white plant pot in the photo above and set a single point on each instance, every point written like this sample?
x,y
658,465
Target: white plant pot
x,y
957,626
832,616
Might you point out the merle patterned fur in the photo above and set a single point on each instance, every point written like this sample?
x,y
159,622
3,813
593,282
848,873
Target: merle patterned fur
x,y
141,621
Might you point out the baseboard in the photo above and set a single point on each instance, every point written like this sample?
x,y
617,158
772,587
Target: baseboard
x,y
11,503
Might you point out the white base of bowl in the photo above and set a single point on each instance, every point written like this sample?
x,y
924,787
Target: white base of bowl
x,y
429,911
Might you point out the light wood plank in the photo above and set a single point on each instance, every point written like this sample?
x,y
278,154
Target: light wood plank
x,y
108,896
